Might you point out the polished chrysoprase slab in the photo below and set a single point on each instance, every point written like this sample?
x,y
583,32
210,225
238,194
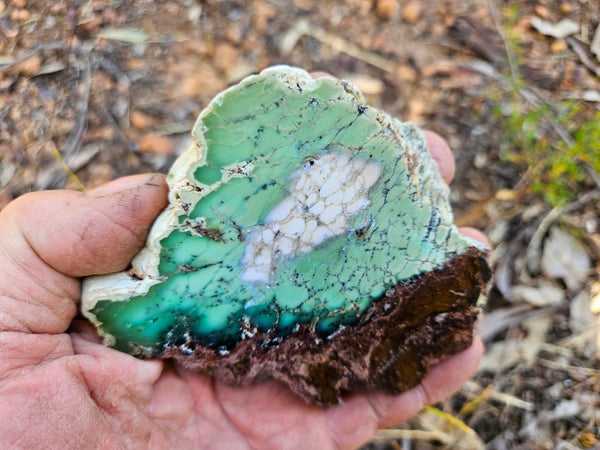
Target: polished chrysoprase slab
x,y
297,207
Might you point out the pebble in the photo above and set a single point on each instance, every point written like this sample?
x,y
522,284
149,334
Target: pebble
x,y
386,9
405,72
31,66
140,120
158,145
411,11
566,8
542,11
558,45
19,15
9,29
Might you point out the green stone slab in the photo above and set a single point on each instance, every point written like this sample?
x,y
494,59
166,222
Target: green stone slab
x,y
295,211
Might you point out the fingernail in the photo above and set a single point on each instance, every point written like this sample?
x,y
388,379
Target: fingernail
x,y
124,184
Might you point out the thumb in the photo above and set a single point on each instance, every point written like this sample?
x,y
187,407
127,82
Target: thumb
x,y
48,238
79,234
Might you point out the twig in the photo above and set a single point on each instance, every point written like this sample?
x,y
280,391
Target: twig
x,y
82,111
489,392
67,169
122,79
571,370
107,116
593,172
56,45
583,56
399,434
341,45
514,70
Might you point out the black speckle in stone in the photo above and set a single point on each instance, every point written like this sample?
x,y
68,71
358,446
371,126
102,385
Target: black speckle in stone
x,y
361,109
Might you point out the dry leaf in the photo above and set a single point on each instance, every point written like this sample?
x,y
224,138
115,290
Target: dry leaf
x,y
509,352
546,294
580,309
565,257
560,30
595,46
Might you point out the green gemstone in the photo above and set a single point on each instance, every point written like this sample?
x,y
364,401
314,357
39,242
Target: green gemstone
x,y
296,204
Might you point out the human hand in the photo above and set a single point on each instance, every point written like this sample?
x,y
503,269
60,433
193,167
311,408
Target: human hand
x,y
60,387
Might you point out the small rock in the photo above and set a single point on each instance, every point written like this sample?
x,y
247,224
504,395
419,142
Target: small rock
x,y
9,29
405,72
387,9
19,3
140,120
504,195
411,12
542,11
557,46
19,15
566,8
158,145
93,134
31,66
226,57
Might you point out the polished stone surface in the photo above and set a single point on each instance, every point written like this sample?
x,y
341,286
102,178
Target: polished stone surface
x,y
297,207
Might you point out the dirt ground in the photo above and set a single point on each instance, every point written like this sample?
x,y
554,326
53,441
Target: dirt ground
x,y
93,90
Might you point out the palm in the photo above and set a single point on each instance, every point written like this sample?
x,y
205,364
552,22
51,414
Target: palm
x,y
92,396
88,395
59,387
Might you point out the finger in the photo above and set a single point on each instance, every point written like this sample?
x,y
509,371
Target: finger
x,y
475,234
442,381
442,155
83,234
320,74
50,237
357,419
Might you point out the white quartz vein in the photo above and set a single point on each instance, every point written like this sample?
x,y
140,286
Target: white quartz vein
x,y
324,195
